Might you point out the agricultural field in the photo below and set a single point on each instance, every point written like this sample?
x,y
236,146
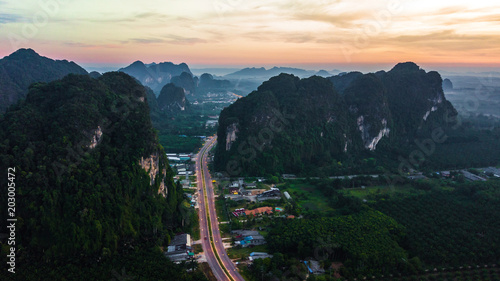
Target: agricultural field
x,y
449,228
372,192
307,196
480,273
240,252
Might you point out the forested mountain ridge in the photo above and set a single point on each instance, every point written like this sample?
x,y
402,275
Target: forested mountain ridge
x,y
24,67
92,182
291,125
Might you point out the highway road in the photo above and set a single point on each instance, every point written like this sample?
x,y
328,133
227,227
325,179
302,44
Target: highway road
x,y
225,269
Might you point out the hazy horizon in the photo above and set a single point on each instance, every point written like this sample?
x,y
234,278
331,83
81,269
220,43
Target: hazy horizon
x,y
365,68
346,67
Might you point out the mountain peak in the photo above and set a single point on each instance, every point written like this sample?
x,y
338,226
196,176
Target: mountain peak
x,y
406,66
24,53
24,67
137,63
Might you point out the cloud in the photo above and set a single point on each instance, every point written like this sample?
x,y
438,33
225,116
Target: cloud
x,y
275,12
448,40
346,20
488,18
91,46
8,18
493,18
276,36
169,39
179,40
446,34
309,6
147,16
79,45
450,10
147,40
298,38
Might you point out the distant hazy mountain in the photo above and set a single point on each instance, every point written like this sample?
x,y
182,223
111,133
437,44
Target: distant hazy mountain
x,y
267,73
95,74
299,125
155,75
172,98
447,85
138,70
186,81
295,71
249,71
25,67
208,83
323,73
214,71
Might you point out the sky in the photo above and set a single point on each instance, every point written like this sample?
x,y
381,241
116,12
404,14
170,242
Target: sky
x,y
232,33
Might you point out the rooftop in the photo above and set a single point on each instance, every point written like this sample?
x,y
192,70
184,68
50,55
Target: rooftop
x,y
182,239
268,210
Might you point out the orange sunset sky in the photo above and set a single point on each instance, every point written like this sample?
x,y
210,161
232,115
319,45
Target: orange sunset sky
x,y
320,33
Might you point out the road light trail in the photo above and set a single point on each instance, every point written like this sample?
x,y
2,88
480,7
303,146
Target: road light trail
x,y
219,261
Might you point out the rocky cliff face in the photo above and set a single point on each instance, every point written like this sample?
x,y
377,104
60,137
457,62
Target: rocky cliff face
x,y
95,137
370,141
366,98
416,99
151,165
231,132
335,118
